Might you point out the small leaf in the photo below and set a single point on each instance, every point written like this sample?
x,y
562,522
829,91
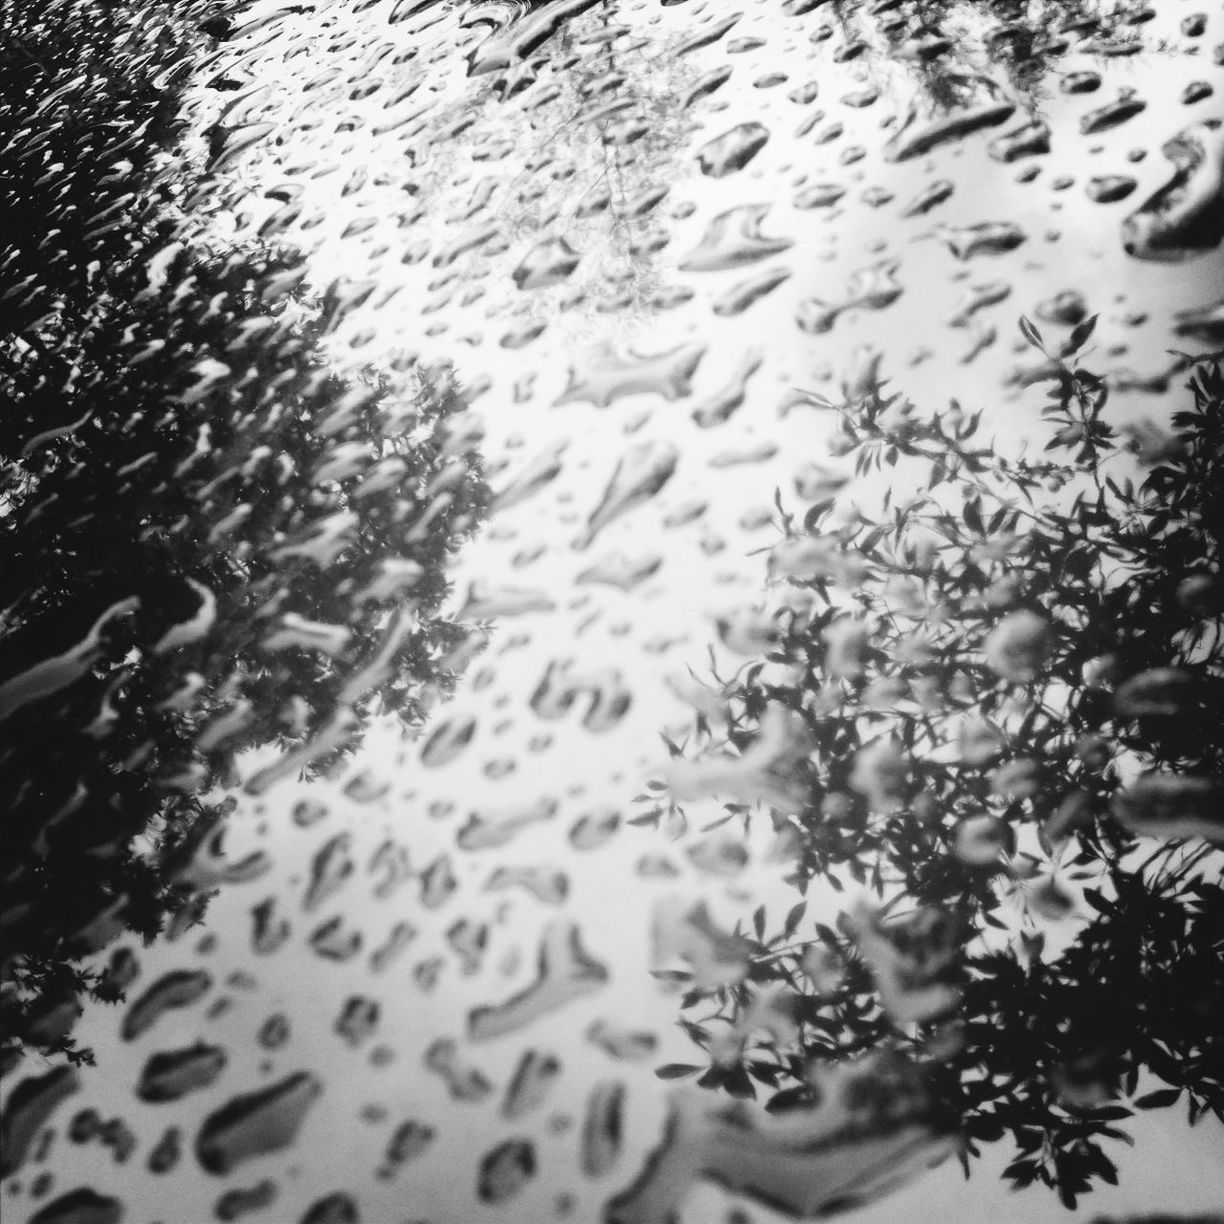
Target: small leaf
x,y
737,1083
1079,337
973,515
786,1099
1098,903
696,1032
1158,1099
670,1071
647,820
1030,333
767,1073
1104,1166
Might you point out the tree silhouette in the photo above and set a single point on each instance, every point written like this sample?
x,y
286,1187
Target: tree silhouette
x,y
211,541
982,705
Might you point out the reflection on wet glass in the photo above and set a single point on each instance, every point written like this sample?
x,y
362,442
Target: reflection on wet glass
x,y
612,609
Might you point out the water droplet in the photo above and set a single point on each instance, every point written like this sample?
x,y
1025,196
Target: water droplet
x,y
547,263
565,971
1185,217
732,239
171,1074
733,150
506,1170
255,1123
179,988
606,374
639,474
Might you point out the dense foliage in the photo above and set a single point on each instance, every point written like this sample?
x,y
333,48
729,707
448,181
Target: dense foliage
x,y
210,541
986,701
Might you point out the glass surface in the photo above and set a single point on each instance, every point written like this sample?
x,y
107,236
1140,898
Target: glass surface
x,y
611,611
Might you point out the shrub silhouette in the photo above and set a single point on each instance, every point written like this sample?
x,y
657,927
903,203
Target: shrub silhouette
x,y
210,540
994,693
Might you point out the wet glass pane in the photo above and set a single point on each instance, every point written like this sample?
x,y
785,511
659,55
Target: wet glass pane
x,y
611,611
